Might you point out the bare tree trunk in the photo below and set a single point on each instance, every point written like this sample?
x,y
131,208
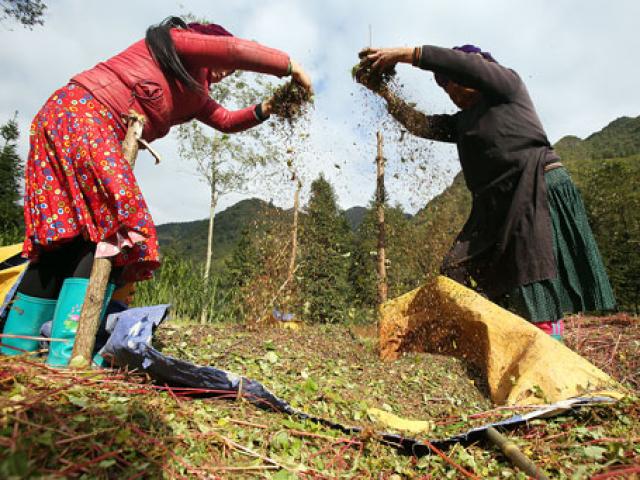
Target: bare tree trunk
x,y
212,219
380,197
204,316
294,231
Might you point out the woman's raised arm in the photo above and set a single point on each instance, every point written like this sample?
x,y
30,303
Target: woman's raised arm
x,y
229,53
441,128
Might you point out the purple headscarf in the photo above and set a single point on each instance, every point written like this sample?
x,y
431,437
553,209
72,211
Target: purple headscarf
x,y
209,29
442,80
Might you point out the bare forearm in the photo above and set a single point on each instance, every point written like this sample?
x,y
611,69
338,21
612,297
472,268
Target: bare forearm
x,y
403,54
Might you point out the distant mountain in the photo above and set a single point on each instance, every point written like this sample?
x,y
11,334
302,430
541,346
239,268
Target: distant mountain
x,y
189,239
355,215
621,138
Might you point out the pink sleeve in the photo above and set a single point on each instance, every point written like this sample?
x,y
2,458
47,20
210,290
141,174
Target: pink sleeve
x,y
229,53
227,121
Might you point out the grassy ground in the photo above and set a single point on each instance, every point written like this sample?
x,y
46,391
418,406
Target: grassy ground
x,y
117,425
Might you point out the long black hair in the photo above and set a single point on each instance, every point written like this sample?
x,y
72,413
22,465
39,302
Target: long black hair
x,y
160,43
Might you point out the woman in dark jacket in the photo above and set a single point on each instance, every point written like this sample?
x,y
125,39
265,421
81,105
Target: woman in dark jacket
x,y
527,244
81,196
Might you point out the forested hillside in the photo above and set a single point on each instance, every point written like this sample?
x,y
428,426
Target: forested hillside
x,y
189,239
621,138
416,245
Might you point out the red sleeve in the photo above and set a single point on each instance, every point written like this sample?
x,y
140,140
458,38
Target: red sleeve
x,y
229,53
227,121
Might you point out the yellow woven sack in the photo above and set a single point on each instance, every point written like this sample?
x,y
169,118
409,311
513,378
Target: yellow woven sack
x,y
522,364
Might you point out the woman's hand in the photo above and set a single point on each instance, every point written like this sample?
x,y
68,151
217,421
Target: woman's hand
x,y
267,107
382,59
300,76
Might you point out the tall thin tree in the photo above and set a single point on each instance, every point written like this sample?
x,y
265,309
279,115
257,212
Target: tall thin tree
x,y
225,162
11,220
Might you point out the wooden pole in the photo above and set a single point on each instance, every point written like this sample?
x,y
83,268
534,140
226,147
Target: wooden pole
x,y
514,454
101,269
294,230
380,197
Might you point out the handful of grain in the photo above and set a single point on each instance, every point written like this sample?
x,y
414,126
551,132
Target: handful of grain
x,y
374,80
291,100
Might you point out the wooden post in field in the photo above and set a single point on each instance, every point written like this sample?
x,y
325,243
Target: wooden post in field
x,y
101,270
513,453
380,197
294,230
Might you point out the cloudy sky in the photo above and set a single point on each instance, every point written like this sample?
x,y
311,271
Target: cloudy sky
x,y
579,60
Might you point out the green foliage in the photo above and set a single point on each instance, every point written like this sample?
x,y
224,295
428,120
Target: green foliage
x,y
438,224
326,246
179,282
189,239
11,219
258,268
611,194
244,261
609,187
404,273
355,216
11,235
26,12
252,244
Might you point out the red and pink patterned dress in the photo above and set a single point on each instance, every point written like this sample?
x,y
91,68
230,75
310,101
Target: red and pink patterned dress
x,y
77,182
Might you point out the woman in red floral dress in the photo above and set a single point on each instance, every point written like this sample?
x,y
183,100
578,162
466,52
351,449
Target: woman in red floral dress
x,y
81,196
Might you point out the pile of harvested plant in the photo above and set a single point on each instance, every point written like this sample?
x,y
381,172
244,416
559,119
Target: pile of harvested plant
x,y
612,343
375,80
116,424
291,101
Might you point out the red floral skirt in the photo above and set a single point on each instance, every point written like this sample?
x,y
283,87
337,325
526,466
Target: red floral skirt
x,y
77,182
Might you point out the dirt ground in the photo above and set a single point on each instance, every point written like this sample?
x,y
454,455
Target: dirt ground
x,y
339,364
116,424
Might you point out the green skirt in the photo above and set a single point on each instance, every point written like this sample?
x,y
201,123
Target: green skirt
x,y
582,284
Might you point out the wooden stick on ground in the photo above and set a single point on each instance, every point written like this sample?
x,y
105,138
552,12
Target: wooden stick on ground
x,y
101,270
514,454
